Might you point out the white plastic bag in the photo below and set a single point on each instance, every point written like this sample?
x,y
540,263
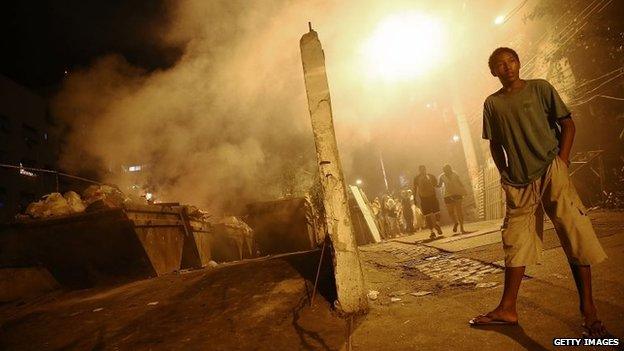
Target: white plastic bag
x,y
55,205
74,201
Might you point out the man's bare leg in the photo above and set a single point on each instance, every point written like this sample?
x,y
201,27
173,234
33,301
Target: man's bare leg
x,y
506,309
436,219
582,278
452,210
430,224
460,215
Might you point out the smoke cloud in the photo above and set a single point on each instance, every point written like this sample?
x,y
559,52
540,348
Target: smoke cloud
x,y
228,123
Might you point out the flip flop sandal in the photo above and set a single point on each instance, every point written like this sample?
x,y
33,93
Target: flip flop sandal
x,y
491,321
592,327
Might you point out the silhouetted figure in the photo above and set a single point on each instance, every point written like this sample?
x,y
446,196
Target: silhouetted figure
x,y
424,186
408,212
454,192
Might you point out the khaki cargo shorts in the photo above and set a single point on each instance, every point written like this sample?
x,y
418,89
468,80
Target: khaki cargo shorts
x,y
554,194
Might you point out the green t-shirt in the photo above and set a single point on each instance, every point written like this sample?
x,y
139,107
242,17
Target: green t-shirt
x,y
524,123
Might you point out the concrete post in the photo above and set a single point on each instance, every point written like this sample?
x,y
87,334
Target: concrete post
x,y
467,144
347,268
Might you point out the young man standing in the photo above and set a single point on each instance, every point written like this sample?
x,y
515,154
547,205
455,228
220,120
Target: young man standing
x,y
531,133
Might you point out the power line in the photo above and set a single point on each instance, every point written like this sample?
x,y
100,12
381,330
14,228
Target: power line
x,y
49,171
601,85
597,96
577,86
531,63
612,97
515,10
607,4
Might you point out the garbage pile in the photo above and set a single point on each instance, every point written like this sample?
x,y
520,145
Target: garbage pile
x,y
197,214
108,194
55,204
237,230
95,197
236,225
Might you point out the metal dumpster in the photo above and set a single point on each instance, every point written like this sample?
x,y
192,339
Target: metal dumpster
x,y
197,251
283,226
96,248
233,240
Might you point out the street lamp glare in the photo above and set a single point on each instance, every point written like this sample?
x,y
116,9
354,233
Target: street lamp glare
x,y
358,182
404,46
499,20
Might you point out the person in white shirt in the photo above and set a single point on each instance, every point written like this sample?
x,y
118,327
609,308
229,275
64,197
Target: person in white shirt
x,y
454,192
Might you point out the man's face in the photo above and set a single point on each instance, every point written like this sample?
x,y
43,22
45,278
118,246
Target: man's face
x,y
422,170
506,67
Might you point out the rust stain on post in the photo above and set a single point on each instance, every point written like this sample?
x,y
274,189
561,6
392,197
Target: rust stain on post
x,y
347,268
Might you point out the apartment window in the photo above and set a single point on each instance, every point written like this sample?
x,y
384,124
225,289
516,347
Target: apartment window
x,y
30,135
25,199
3,197
48,117
4,156
5,124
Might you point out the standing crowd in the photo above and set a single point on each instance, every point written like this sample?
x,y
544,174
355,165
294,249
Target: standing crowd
x,y
417,208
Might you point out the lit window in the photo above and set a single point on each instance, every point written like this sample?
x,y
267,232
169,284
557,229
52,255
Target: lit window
x,y
134,168
25,172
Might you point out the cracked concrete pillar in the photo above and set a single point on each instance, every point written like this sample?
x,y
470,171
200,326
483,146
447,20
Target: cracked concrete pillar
x,y
347,268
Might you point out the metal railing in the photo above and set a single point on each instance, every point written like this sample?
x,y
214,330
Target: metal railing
x,y
56,174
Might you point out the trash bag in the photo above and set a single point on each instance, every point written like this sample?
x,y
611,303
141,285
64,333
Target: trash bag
x,y
197,214
238,230
55,205
103,192
35,209
74,201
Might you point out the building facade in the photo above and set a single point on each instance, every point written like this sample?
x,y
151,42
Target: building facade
x,y
28,137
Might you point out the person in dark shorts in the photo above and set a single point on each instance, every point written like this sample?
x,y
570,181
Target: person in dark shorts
x,y
424,187
408,212
454,192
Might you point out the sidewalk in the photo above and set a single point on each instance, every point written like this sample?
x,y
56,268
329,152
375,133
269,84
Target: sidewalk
x,y
425,298
548,302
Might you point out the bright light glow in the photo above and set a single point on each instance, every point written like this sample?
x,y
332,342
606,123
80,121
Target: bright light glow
x,y
23,171
148,196
499,20
358,182
455,138
134,168
404,46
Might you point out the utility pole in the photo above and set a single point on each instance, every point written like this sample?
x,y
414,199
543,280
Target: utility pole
x,y
350,285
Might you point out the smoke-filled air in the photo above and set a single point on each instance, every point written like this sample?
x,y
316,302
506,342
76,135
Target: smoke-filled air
x,y
228,123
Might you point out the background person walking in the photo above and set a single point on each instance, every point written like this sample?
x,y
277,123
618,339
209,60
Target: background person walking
x,y
454,192
424,186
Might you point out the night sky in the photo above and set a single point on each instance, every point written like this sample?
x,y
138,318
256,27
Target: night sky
x,y
40,39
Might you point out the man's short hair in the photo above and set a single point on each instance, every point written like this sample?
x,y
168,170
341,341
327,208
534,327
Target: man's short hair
x,y
501,50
